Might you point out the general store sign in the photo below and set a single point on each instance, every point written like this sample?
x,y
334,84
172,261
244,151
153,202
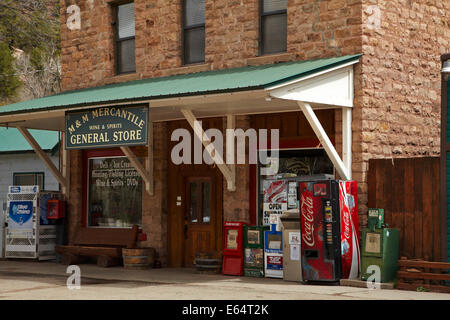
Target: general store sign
x,y
106,127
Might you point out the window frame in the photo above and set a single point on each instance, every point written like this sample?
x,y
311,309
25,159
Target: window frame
x,y
201,181
101,153
263,14
118,41
35,174
185,28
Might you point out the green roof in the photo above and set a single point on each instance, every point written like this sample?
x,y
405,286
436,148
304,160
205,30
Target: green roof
x,y
228,80
11,140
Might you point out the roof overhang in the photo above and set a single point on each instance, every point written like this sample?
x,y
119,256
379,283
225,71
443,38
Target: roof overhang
x,y
305,86
323,86
331,87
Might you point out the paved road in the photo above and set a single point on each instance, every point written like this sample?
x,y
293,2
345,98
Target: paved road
x,y
46,280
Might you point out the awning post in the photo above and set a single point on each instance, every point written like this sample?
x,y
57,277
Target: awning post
x,y
347,140
65,165
149,187
231,125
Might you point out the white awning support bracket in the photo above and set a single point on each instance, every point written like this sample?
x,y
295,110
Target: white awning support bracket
x,y
342,168
138,166
198,131
44,157
146,170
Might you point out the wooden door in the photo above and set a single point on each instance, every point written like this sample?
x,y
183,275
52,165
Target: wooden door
x,y
200,217
188,193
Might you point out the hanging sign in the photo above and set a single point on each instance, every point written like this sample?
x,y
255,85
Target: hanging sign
x,y
106,127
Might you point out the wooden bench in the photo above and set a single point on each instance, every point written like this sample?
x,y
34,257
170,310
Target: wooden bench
x,y
103,244
413,274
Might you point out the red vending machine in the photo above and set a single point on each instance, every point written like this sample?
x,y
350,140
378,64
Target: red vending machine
x,y
233,252
329,229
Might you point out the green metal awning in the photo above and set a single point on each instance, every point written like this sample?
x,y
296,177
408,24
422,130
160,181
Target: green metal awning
x,y
201,83
11,140
274,88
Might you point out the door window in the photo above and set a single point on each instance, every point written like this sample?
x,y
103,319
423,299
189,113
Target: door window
x,y
199,196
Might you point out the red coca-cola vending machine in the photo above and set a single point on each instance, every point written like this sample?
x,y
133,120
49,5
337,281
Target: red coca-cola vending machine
x,y
330,230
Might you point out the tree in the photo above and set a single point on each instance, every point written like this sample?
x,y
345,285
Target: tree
x,y
33,27
9,81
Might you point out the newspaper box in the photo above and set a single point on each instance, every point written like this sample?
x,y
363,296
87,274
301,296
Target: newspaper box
x,y
233,252
254,250
292,264
273,249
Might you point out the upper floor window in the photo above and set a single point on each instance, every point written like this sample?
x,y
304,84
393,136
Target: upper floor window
x,y
273,26
193,31
125,33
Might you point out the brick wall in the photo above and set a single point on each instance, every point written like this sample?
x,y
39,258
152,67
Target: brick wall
x,y
154,208
236,203
399,102
315,29
397,83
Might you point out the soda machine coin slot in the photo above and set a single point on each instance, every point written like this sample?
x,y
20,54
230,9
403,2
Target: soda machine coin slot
x,y
312,254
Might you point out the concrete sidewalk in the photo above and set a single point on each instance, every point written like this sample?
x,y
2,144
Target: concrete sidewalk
x,y
47,280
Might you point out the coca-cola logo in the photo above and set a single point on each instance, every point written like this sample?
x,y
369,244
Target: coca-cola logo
x,y
346,218
306,208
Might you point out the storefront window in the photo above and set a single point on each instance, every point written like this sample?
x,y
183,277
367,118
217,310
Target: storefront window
x,y
115,193
279,182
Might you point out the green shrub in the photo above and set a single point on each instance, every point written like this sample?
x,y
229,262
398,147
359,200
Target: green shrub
x,y
9,81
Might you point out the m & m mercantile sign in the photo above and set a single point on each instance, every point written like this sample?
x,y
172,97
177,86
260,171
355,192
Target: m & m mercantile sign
x,y
106,127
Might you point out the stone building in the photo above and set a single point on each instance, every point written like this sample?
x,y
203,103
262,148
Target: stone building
x,y
212,60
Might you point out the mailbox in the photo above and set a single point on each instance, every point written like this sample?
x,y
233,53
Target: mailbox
x,y
233,252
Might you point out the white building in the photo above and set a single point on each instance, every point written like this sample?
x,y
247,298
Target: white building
x,y
20,165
